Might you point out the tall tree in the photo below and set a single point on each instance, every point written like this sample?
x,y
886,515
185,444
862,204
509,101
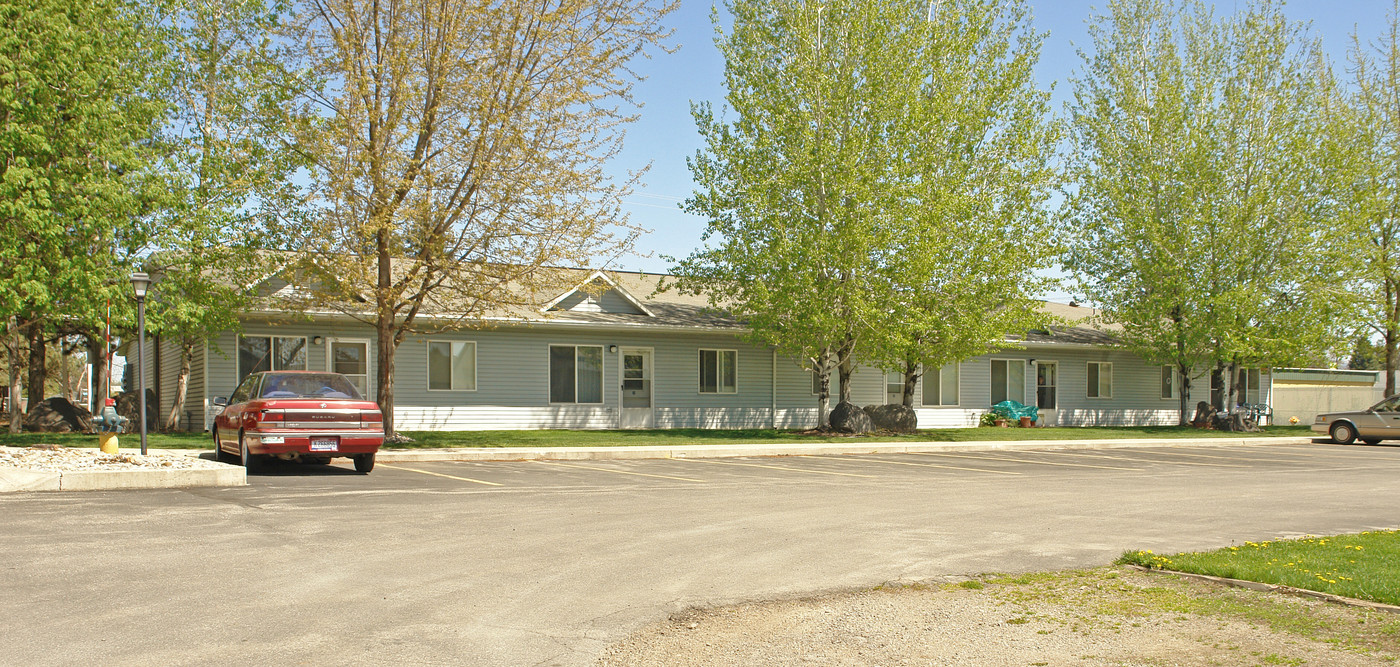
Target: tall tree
x,y
77,117
851,179
1371,200
231,166
458,150
1197,208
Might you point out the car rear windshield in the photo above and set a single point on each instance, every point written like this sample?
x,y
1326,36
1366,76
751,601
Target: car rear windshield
x,y
308,385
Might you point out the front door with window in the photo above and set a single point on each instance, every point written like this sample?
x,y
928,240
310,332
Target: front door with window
x,y
636,400
351,359
1045,383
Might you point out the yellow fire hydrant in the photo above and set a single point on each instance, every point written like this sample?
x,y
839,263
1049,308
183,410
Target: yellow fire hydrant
x,y
109,423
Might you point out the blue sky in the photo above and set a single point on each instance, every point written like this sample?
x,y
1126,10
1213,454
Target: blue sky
x,y
665,133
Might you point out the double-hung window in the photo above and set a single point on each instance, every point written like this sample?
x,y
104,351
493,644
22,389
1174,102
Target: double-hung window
x,y
1008,380
576,374
1168,382
941,386
270,353
452,365
718,372
1100,379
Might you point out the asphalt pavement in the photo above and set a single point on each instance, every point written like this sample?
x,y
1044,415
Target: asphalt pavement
x,y
547,562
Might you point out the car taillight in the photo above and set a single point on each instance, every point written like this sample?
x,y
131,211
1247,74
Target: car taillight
x,y
271,416
371,416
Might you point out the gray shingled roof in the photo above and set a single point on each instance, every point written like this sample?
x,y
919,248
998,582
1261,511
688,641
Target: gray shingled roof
x,y
673,309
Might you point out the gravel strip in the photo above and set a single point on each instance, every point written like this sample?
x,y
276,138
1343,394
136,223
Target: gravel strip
x,y
54,458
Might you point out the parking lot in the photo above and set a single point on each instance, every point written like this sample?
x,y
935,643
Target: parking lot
x,y
547,562
921,468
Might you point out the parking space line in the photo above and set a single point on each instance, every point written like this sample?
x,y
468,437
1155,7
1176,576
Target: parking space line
x,y
1212,456
908,463
1177,462
1031,461
772,467
438,474
620,472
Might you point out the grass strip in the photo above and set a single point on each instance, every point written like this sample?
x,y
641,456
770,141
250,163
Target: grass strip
x,y
1364,565
680,436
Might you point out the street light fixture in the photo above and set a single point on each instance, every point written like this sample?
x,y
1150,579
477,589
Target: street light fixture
x,y
139,282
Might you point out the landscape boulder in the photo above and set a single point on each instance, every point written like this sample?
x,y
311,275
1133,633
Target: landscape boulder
x,y
897,418
58,415
129,405
847,417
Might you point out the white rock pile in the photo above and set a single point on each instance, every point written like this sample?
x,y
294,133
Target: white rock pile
x,y
54,458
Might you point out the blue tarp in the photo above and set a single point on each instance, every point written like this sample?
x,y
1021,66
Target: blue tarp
x,y
1015,410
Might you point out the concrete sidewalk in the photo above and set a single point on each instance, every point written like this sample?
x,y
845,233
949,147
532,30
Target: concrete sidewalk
x,y
391,455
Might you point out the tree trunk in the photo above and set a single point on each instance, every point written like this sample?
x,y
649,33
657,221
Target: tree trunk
x,y
823,370
847,369
385,373
101,377
1184,394
1217,379
16,416
911,380
155,372
38,364
385,324
182,385
1392,337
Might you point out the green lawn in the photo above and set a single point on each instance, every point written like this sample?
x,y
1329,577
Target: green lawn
x,y
688,436
1365,565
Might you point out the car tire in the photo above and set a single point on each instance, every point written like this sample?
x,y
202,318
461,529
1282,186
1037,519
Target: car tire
x,y
1343,433
364,463
219,449
1371,441
248,459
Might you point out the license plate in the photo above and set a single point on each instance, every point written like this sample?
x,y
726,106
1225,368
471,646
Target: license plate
x,y
325,444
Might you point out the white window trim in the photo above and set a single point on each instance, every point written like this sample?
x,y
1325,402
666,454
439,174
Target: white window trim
x,y
602,369
1176,384
813,378
369,361
476,375
719,371
924,378
1101,364
272,355
1008,376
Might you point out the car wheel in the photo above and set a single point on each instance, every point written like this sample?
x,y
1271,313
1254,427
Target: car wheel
x,y
219,454
364,463
1343,433
1371,441
247,458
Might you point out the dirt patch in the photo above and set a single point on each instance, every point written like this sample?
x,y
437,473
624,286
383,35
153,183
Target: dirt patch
x,y
1108,616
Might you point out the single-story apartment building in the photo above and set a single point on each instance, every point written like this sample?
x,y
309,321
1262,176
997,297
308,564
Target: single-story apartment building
x,y
613,352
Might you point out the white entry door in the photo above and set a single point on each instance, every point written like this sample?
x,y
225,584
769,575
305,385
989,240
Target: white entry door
x,y
1046,386
636,388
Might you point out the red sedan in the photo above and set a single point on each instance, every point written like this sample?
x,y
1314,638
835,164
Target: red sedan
x,y
298,416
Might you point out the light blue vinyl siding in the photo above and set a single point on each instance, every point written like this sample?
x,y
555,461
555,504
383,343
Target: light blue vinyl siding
x,y
512,389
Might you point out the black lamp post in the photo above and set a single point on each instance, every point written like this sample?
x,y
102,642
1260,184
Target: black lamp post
x,y
139,282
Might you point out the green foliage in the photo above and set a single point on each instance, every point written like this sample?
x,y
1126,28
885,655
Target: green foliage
x,y
855,205
1368,157
988,419
79,109
1199,210
1366,355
